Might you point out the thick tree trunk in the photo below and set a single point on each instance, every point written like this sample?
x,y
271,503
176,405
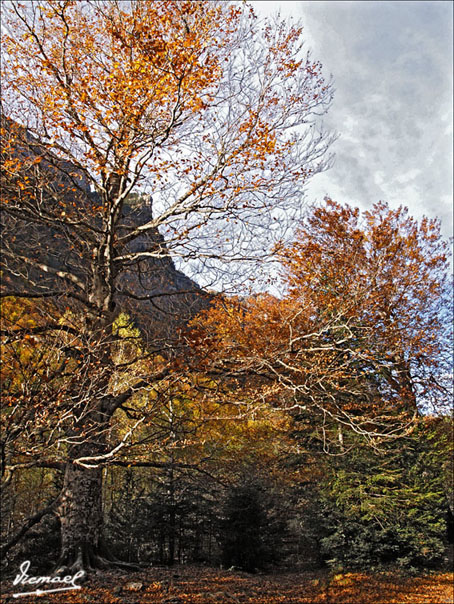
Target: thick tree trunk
x,y
81,518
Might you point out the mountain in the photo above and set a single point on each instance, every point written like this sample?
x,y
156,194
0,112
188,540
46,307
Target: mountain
x,y
52,219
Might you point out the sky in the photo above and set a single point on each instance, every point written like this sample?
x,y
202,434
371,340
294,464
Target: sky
x,y
392,65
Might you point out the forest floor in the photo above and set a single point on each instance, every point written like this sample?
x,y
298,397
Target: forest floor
x,y
200,585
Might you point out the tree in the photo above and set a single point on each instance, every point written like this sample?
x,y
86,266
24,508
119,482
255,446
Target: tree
x,y
359,340
195,105
252,531
390,507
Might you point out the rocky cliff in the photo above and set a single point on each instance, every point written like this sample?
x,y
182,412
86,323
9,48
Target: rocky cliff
x,y
59,225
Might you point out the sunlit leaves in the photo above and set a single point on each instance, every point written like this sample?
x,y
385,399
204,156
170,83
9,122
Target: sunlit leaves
x,y
200,104
359,337
202,585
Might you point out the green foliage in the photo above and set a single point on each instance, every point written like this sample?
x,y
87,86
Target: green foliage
x,y
387,507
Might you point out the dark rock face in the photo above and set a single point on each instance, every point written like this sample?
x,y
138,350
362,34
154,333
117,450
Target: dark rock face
x,y
61,227
173,298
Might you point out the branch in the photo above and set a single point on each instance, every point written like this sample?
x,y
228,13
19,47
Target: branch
x,y
46,294
149,297
122,398
15,334
18,294
165,465
28,525
9,470
48,269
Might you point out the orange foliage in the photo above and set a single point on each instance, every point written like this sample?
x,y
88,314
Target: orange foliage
x,y
358,336
113,87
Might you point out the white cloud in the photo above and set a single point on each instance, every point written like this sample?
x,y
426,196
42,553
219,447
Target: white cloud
x,y
392,65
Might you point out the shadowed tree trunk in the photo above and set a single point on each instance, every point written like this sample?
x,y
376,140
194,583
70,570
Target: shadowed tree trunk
x,y
80,515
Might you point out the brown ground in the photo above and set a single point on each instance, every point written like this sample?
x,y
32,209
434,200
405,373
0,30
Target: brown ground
x,y
198,585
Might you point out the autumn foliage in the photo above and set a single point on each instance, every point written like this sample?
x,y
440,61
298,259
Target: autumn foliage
x,y
143,409
132,133
196,585
359,336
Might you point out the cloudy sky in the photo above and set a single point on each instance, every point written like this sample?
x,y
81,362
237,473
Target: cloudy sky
x,y
392,64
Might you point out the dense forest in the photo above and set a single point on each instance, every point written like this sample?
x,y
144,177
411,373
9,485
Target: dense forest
x,y
199,368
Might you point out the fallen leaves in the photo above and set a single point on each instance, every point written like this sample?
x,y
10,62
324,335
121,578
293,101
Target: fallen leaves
x,y
199,585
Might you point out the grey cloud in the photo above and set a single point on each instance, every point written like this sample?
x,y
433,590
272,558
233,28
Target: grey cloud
x,y
392,64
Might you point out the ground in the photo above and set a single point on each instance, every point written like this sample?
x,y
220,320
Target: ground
x,y
199,585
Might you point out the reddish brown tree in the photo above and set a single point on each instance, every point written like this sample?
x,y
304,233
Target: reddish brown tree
x,y
360,338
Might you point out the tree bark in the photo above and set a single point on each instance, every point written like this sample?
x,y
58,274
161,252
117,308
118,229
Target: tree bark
x,y
80,513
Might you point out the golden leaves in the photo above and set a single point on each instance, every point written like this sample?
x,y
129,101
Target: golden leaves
x,y
202,585
82,65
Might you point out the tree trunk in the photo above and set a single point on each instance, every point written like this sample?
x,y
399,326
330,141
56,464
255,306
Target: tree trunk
x,y
172,534
81,518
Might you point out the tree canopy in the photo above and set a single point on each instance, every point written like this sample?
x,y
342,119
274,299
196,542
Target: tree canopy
x,y
154,158
208,116
361,336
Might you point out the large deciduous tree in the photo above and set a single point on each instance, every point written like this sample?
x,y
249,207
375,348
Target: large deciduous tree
x,y
360,338
207,112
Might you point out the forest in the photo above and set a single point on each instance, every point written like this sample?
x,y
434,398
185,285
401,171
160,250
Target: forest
x,y
212,390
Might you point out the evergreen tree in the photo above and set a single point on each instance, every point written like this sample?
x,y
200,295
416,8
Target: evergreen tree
x,y
387,506
252,529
